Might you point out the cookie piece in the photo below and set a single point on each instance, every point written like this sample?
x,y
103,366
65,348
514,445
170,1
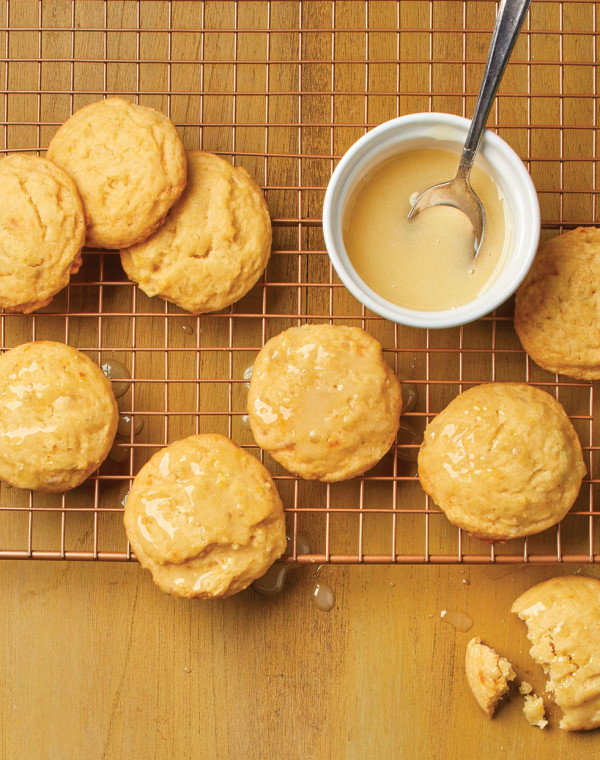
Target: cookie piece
x,y
42,230
563,624
488,675
205,518
323,402
129,166
502,460
58,417
533,706
214,245
557,311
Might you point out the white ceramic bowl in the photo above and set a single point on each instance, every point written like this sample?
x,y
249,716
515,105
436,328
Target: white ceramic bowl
x,y
437,130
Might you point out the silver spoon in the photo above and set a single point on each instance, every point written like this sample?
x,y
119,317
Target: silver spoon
x,y
458,191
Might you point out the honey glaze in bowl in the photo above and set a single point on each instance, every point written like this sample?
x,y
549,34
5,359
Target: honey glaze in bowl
x,y
423,296
427,263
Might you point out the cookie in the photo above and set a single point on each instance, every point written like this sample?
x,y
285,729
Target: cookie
x,y
557,311
533,706
323,402
58,417
215,242
42,230
129,166
488,675
502,460
563,624
205,518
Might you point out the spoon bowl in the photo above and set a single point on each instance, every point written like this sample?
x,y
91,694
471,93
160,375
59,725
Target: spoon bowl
x,y
459,194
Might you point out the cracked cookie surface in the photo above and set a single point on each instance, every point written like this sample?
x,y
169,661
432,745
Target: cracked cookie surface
x,y
502,460
557,310
129,166
214,245
323,402
205,518
42,230
58,416
563,624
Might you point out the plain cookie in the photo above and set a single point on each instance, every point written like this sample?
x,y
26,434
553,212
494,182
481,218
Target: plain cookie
x,y
58,417
205,518
488,675
129,166
502,460
563,624
42,231
323,402
214,245
557,311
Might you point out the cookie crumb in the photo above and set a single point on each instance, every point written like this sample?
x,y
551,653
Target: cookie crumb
x,y
533,707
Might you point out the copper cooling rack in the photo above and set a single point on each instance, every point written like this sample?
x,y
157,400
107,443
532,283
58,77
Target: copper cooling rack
x,y
283,88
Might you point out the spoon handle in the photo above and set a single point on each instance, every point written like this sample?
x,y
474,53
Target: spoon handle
x,y
508,24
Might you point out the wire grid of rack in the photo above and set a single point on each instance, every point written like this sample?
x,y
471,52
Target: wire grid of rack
x,y
283,88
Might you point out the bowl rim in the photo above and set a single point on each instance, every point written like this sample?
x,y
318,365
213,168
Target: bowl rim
x,y
527,235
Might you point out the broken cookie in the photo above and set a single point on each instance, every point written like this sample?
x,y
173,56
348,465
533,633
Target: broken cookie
x,y
563,624
488,675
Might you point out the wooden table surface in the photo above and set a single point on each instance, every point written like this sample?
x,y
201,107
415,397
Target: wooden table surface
x,y
95,662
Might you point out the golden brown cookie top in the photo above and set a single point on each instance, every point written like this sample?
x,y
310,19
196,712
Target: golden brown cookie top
x,y
58,416
502,460
129,166
215,242
557,312
205,517
323,402
42,230
563,621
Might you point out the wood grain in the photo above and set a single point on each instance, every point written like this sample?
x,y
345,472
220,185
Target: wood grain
x,y
97,663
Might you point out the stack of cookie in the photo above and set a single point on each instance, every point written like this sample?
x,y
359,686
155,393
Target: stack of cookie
x,y
191,228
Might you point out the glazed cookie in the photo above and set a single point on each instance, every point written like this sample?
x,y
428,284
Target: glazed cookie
x,y
58,417
323,402
488,675
502,460
129,166
557,312
42,230
214,245
563,624
205,518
